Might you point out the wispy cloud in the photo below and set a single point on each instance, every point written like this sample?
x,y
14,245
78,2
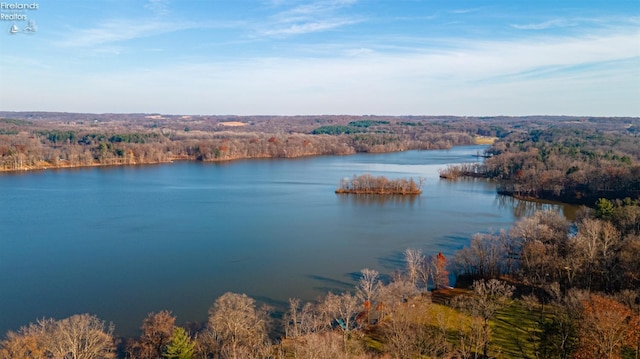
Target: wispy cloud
x,y
114,31
315,8
471,77
308,27
555,23
362,51
158,7
158,22
354,63
120,30
312,17
464,11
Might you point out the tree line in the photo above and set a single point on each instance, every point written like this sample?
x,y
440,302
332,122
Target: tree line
x,y
44,143
581,158
35,140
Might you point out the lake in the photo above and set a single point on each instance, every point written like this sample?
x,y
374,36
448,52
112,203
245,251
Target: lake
x,y
120,242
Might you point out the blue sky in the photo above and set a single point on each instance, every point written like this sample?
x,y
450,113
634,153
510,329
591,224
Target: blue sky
x,y
287,57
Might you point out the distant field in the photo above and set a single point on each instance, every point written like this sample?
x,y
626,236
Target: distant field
x,y
483,140
233,123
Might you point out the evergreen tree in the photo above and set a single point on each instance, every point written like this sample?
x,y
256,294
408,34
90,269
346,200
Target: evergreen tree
x,y
181,346
604,209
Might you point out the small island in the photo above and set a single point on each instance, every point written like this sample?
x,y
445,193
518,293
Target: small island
x,y
368,184
461,170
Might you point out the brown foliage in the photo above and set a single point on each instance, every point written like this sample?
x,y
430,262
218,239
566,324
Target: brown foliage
x,y
81,336
240,327
606,327
22,345
157,329
367,184
440,273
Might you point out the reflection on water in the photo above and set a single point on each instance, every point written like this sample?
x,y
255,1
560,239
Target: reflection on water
x,y
378,200
524,208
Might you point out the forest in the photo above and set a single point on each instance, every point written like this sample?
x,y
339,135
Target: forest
x,y
545,288
53,140
571,165
40,140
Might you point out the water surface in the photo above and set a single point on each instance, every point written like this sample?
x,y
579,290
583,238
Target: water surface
x,y
120,242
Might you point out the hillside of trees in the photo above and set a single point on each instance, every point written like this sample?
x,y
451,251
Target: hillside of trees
x,y
545,288
38,140
572,165
51,140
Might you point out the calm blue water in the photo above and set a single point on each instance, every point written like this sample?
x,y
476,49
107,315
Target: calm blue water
x,y
124,241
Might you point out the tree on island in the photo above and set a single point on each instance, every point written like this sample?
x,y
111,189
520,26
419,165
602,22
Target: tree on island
x,y
368,184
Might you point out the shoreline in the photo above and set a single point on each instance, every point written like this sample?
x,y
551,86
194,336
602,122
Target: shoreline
x,y
172,159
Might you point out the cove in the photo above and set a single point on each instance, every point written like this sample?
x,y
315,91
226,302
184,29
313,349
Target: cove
x,y
120,242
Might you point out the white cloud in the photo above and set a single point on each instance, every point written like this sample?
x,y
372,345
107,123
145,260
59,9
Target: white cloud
x,y
312,17
545,25
473,78
359,52
309,27
158,7
464,11
122,29
114,31
119,30
592,74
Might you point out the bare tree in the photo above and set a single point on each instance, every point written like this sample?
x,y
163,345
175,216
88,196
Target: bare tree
x,y
313,319
239,325
486,257
292,319
81,336
206,344
342,309
395,293
595,251
488,297
326,345
543,242
368,290
471,339
27,343
413,259
629,264
402,334
157,329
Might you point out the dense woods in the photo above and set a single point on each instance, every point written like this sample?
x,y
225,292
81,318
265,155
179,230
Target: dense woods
x,y
36,140
569,164
51,140
545,288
